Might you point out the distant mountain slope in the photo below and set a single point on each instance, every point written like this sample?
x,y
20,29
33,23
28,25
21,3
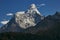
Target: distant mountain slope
x,y
50,23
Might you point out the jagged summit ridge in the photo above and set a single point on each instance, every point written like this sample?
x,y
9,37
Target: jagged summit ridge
x,y
28,18
33,8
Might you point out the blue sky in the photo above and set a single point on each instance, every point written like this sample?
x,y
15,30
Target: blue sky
x,y
13,6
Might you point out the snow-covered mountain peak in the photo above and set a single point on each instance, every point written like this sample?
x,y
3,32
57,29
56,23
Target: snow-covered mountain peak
x,y
32,6
28,18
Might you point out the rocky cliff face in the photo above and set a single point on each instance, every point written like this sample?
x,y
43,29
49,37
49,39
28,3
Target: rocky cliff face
x,y
51,23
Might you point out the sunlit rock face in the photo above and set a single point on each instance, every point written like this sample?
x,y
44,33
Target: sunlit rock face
x,y
28,18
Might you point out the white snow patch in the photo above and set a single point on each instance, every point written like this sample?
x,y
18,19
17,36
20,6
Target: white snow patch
x,y
4,22
21,12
